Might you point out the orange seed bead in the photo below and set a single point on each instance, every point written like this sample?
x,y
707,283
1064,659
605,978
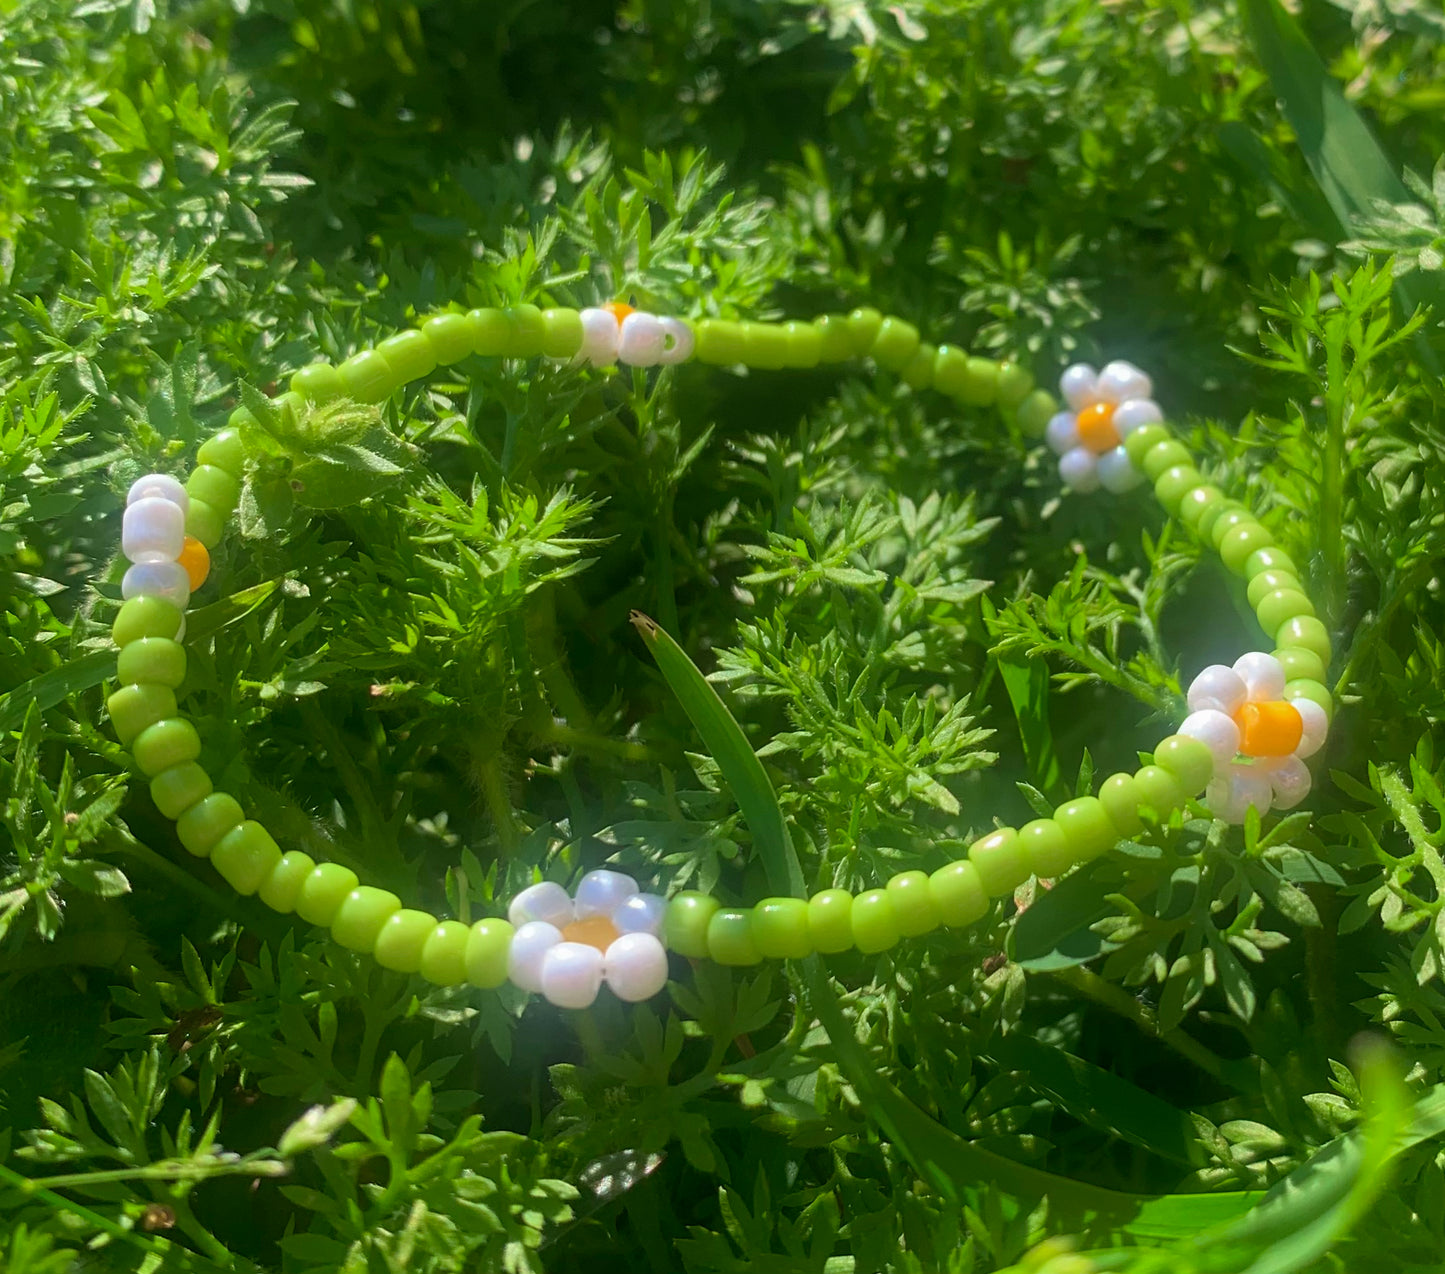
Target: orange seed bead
x,y
195,561
1269,729
594,931
619,310
1096,428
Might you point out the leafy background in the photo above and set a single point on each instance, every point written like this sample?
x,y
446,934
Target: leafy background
x,y
423,668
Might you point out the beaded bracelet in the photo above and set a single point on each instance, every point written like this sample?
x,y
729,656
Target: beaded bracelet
x,y
1243,744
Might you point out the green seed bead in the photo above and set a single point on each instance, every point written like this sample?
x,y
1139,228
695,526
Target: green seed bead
x,y
281,890
444,954
323,892
133,708
950,369
1188,760
175,790
1280,605
836,338
215,486
155,661
1163,456
1196,502
206,523
958,893
239,420
245,857
1239,542
402,940
1211,515
1000,861
1046,849
1300,665
730,938
488,945
875,921
1035,412
1015,384
529,331
1261,585
1306,632
143,617
1086,827
368,377
830,921
562,338
363,911
225,449
780,928
290,407
451,337
913,904
1269,559
765,346
1230,519
895,344
1159,791
1121,798
491,331
1171,486
317,382
863,325
1142,441
804,344
684,925
1305,688
202,827
980,383
409,355
167,743
718,342
917,373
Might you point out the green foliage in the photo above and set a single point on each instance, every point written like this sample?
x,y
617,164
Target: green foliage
x,y
416,659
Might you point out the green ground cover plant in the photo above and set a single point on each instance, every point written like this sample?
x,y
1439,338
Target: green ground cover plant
x,y
878,627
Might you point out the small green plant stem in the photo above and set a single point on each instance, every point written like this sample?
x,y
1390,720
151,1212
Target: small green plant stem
x,y
487,772
565,736
1332,480
662,575
176,875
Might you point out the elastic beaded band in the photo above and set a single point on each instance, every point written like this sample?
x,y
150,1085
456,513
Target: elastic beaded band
x,y
1249,729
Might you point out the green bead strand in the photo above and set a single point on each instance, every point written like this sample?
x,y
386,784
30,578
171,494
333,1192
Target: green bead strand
x,y
835,337
1314,691
917,373
1015,384
1163,456
281,890
491,331
863,325
488,946
895,344
1197,502
958,893
1283,604
1300,664
175,790
245,857
875,922
1240,542
780,928
155,661
1229,519
202,827
317,382
225,450
830,921
451,337
323,892
1086,827
409,355
1269,558
1120,796
1307,633
718,342
1142,441
913,904
1188,760
1000,862
368,377
1159,791
444,954
1171,486
143,617
684,924
134,708
1046,848
206,523
804,345
561,338
730,938
402,940
1035,412
165,744
528,331
1266,582
765,346
359,918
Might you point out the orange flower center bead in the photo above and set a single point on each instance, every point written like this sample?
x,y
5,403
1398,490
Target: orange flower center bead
x,y
595,931
619,310
1096,428
195,561
1269,729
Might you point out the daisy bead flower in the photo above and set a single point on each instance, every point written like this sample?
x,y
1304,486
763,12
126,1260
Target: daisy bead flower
x,y
1241,712
566,947
1105,407
619,333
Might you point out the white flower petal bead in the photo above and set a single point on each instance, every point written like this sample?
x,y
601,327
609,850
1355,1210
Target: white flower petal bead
x,y
1062,433
1120,381
641,340
600,893
636,967
1217,732
1230,796
166,580
529,948
1077,385
547,901
1289,779
153,530
1079,471
571,975
678,341
1263,676
160,485
1220,688
1316,723
600,336
1135,413
642,913
1116,471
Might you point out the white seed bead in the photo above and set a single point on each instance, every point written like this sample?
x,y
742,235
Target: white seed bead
x,y
642,913
601,893
166,580
635,967
1317,726
547,901
1120,381
678,341
1062,433
1230,796
1079,470
1117,472
1263,676
1077,385
600,334
1220,688
160,485
1217,732
1289,779
572,975
1135,413
641,340
529,948
153,530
